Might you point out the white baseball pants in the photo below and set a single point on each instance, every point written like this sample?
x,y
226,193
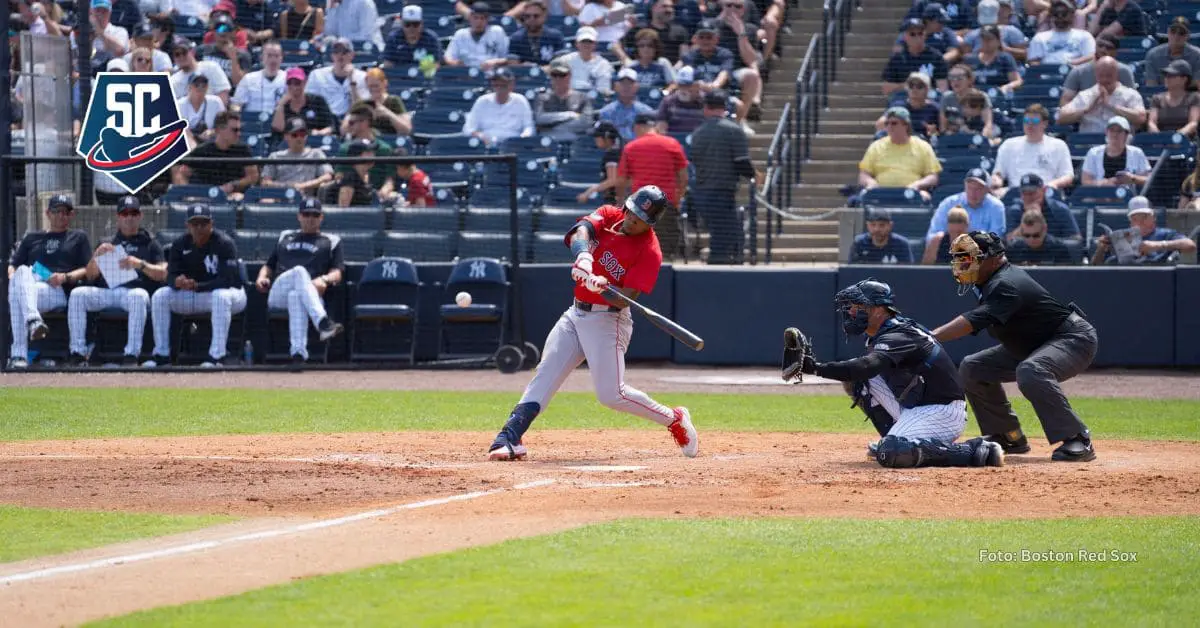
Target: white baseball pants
x,y
28,297
939,422
223,304
86,299
295,291
602,339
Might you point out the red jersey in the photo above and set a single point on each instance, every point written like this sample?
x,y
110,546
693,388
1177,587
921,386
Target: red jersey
x,y
419,187
626,261
653,159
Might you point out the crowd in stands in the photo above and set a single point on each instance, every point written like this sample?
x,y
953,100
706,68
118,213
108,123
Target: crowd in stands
x,y
1031,119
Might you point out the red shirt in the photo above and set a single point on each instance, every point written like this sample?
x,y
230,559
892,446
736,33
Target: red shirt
x,y
626,261
653,159
419,188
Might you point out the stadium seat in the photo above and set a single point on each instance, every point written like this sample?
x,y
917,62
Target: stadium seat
x,y
358,246
548,247
224,217
404,77
327,143
354,219
451,96
435,219
529,147
262,195
269,218
496,194
257,245
189,26
960,144
892,197
566,196
580,171
1081,143
438,122
386,308
366,55
1153,144
462,75
1086,196
420,246
558,219
193,193
495,219
478,329
454,174
489,243
455,145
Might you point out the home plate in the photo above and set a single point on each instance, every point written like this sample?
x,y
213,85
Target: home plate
x,y
604,467
743,380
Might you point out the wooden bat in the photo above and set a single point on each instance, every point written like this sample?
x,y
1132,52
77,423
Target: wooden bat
x,y
677,331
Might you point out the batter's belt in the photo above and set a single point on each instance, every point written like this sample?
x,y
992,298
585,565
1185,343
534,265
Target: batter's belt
x,y
584,306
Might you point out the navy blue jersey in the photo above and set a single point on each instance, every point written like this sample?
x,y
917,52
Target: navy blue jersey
x,y
398,51
213,266
919,372
902,63
540,50
61,252
318,253
144,247
708,68
896,251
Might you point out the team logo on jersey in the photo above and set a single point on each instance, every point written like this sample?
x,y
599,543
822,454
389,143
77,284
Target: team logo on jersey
x,y
210,264
132,130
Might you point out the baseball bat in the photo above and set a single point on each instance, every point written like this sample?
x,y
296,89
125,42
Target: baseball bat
x,y
677,331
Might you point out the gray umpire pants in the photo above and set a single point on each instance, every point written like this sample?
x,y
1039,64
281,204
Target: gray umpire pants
x,y
1066,354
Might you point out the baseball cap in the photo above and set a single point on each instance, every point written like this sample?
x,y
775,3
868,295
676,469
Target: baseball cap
x,y
481,7
1139,205
917,76
295,73
128,201
1032,181
587,33
899,113
360,146
294,125
1180,25
179,41
1178,67
501,73
878,214
1118,121
222,23
716,99
912,23
310,205
645,118
102,4
988,12
685,76
708,26
934,11
198,79
117,65
341,44
143,29
627,74
198,211
412,13
977,174
60,200
560,68
604,128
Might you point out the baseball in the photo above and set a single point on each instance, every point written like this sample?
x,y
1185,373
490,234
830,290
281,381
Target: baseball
x,y
463,299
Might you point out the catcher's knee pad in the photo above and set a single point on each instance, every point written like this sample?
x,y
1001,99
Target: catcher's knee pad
x,y
897,452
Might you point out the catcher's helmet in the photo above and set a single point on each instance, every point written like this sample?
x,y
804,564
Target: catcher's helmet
x,y
648,203
866,292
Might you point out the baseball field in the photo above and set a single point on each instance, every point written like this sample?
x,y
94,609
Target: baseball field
x,y
338,498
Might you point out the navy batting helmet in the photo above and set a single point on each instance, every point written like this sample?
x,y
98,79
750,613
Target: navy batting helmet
x,y
648,203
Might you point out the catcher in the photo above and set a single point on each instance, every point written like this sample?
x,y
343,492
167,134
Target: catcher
x,y
906,384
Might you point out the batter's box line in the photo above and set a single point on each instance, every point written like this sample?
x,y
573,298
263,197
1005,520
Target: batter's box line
x,y
191,548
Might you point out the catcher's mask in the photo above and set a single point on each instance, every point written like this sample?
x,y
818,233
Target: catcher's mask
x,y
967,252
864,294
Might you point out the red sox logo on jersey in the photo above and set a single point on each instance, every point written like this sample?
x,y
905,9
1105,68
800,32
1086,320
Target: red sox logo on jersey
x,y
612,265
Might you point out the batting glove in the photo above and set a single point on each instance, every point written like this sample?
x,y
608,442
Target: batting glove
x,y
582,269
595,283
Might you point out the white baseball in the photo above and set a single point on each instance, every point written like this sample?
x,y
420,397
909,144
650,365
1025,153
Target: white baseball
x,y
463,299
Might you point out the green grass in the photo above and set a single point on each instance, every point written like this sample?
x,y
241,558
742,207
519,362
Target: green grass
x,y
34,414
752,573
29,532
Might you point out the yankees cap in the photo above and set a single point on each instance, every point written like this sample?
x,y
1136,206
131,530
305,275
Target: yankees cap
x,y
60,200
295,125
128,201
310,205
198,211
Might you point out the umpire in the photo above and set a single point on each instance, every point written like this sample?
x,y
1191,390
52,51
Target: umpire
x,y
1042,343
722,158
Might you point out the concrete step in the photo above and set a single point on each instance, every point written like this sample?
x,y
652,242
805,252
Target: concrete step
x,y
840,168
861,24
872,88
820,194
866,115
847,127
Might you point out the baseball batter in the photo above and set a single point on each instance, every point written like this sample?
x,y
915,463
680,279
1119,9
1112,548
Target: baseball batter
x,y
906,384
616,247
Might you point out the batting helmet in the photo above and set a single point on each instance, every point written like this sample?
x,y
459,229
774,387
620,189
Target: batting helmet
x,y
648,203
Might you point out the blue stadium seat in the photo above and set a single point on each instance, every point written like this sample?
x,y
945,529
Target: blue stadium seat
x,y
224,216
548,247
451,96
398,142
390,7
1086,196
435,219
259,194
366,55
1155,143
404,77
496,194
568,24
327,143
1048,75
193,194
534,146
460,74
456,145
565,196
300,53
1081,143
189,26
559,219
892,197
354,219
270,218
1046,95
387,304
256,245
421,246
581,171
438,122
489,244
358,246
494,219
961,144
478,329
453,174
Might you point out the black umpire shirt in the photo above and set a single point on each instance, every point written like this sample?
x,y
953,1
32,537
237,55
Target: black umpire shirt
x,y
144,247
213,266
318,253
61,252
721,156
1017,311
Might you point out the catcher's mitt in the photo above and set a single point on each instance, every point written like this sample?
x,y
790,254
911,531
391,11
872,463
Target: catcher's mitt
x,y
797,356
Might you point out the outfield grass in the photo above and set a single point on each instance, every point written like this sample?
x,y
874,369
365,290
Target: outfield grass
x,y
34,414
753,573
29,532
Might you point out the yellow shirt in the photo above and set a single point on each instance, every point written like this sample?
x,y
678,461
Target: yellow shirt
x,y
899,165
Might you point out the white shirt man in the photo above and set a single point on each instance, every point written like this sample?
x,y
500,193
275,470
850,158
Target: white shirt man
x,y
478,42
593,73
1033,153
206,113
356,20
1095,118
261,90
501,114
335,90
218,82
607,33
1054,47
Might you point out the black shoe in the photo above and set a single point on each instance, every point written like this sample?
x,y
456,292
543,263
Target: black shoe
x,y
328,329
77,361
1013,442
129,361
37,329
754,114
1076,449
297,363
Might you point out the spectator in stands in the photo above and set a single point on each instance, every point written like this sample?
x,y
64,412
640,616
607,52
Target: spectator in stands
x,y
656,159
418,189
1034,152
994,67
713,64
302,21
1093,107
194,8
976,115
937,247
607,139
899,160
295,102
653,70
682,111
240,37
740,36
1034,246
924,114
412,43
1062,43
534,42
986,211
391,116
304,178
672,35
722,158
233,179
478,45
106,36
1157,243
506,8
1012,40
140,60
560,112
589,71
501,114
1116,162
1189,191
626,107
340,84
261,90
257,18
962,84
185,60
937,38
879,245
235,63
143,38
1034,199
915,57
360,127
35,17
200,109
609,19
355,188
156,9
1120,18
355,20
1177,109
1177,47
1083,76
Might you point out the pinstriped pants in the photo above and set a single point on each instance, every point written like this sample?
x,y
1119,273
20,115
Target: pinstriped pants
x,y
27,299
938,422
223,304
295,291
86,299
